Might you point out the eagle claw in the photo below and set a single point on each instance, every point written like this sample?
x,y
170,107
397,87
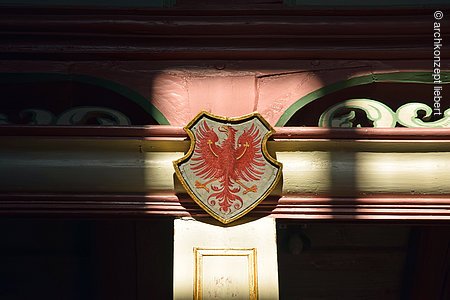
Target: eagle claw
x,y
250,189
200,185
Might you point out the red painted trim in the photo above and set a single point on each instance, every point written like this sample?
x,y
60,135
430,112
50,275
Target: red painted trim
x,y
361,133
282,133
151,131
387,208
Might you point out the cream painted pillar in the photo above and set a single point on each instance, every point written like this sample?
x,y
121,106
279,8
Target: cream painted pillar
x,y
233,262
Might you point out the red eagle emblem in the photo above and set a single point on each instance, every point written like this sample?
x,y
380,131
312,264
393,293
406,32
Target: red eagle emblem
x,y
227,170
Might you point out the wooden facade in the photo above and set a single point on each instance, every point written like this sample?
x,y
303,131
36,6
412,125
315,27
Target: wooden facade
x,y
92,112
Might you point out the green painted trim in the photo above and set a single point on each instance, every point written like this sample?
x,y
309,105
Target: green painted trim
x,y
396,77
107,84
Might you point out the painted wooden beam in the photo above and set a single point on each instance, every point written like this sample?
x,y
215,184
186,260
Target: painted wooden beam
x,y
345,168
375,175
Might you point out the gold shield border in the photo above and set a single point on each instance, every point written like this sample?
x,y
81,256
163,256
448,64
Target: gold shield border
x,y
266,154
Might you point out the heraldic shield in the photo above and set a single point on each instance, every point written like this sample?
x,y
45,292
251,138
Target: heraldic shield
x,y
227,169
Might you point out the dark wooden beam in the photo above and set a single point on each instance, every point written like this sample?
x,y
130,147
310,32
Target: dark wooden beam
x,y
77,34
385,209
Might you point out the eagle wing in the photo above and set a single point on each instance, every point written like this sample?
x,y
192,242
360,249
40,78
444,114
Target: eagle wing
x,y
206,160
249,164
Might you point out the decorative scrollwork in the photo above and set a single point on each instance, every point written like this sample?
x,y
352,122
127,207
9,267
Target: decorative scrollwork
x,y
4,119
381,115
92,114
37,116
407,115
30,116
377,112
84,115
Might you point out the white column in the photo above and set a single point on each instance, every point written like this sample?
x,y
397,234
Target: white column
x,y
233,262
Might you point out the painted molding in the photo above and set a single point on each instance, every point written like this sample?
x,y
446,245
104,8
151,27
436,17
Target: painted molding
x,y
172,133
364,174
316,168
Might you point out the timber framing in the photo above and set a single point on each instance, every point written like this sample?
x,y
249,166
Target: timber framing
x,y
362,174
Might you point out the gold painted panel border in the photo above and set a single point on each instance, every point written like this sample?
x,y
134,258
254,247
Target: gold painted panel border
x,y
250,253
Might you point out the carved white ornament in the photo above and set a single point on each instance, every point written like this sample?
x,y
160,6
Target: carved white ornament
x,y
381,115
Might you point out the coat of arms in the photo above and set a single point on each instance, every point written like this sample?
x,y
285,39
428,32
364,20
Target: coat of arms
x,y
227,169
